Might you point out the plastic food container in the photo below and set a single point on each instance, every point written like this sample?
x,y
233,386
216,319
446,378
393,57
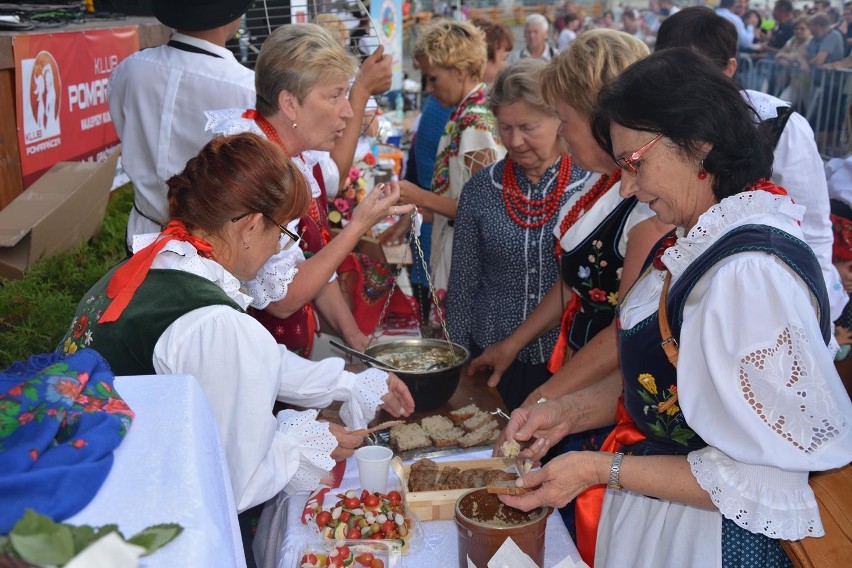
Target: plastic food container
x,y
322,554
483,523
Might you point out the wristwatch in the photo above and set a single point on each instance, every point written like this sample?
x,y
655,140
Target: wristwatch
x,y
615,473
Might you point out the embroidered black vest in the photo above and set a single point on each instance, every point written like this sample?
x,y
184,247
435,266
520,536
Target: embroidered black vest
x,y
592,269
650,380
128,343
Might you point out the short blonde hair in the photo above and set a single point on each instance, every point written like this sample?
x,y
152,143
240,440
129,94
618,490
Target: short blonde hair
x,y
335,25
575,75
295,58
457,45
520,82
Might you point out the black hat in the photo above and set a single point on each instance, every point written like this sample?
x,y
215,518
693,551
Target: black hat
x,y
198,15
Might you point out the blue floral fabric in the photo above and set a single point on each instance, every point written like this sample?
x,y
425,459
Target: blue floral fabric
x,y
60,420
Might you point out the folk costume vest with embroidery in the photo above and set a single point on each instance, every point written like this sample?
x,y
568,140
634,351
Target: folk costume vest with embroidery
x,y
592,269
650,380
128,343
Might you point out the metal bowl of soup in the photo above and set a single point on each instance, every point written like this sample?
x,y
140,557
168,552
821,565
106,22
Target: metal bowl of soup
x,y
431,368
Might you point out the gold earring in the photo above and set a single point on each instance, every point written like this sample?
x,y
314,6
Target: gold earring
x,y
295,126
245,246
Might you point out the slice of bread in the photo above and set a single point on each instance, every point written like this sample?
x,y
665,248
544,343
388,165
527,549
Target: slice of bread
x,y
477,420
482,435
447,437
460,415
408,437
436,424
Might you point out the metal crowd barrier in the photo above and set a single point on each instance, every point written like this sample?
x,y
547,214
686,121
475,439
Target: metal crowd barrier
x,y
822,96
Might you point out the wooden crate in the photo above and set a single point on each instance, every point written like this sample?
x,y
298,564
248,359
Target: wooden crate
x,y
440,505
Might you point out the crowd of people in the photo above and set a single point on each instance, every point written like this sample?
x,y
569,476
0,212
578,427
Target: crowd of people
x,y
639,254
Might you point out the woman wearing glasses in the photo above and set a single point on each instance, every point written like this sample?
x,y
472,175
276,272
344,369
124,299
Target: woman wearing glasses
x,y
302,78
177,307
730,395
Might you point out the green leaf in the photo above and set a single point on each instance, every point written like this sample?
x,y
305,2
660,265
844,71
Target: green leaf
x,y
646,397
657,429
31,392
682,435
155,537
5,545
38,540
83,536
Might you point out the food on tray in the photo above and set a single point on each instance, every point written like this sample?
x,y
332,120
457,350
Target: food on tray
x,y
477,420
462,414
510,448
441,430
420,359
366,516
409,436
485,434
354,555
426,475
466,427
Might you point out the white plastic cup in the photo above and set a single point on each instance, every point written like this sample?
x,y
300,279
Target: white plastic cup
x,y
373,467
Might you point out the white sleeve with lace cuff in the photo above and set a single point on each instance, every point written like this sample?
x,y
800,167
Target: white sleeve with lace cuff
x,y
368,388
761,499
316,443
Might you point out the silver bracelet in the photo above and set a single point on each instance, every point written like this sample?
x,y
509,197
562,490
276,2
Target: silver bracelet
x,y
615,472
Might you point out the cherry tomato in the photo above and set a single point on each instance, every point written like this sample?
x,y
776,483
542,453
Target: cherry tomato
x,y
309,559
364,493
377,563
344,516
353,534
394,496
352,503
365,559
336,560
371,501
323,518
388,526
343,552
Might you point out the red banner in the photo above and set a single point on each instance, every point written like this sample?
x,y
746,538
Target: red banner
x,y
63,110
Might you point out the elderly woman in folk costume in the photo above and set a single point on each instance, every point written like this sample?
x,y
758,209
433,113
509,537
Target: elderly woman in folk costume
x,y
503,261
177,307
452,57
727,395
302,77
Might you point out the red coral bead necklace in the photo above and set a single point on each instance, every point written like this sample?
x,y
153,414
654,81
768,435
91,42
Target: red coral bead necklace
x,y
539,211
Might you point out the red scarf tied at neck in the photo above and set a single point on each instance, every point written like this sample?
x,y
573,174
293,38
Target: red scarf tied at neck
x,y
127,278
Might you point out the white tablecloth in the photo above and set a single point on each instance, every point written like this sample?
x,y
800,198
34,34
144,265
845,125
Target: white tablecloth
x,y
170,468
440,544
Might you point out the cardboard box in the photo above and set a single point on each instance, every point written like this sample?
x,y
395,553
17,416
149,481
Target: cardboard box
x,y
441,505
64,208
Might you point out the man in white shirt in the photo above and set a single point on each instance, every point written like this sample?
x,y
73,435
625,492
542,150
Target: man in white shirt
x,y
745,33
536,29
157,99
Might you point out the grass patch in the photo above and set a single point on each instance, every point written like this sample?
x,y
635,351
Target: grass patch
x,y
35,312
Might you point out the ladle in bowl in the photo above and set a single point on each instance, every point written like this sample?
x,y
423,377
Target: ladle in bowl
x,y
366,359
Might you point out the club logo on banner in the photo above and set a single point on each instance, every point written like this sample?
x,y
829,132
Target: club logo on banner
x,y
63,111
41,108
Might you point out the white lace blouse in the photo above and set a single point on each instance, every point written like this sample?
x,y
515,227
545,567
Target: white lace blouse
x,y
243,371
755,378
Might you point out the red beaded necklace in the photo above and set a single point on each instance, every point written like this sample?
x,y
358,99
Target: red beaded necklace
x,y
584,203
540,210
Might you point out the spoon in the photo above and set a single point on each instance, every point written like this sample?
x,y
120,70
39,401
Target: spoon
x,y
372,361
